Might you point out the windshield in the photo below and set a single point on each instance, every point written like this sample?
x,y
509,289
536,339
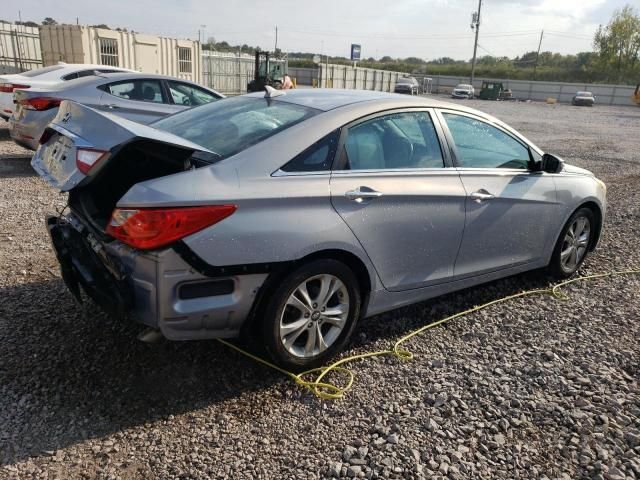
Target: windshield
x,y
462,86
407,81
584,94
41,71
234,124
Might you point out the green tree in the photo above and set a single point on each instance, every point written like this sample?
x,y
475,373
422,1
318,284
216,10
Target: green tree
x,y
618,43
28,23
49,21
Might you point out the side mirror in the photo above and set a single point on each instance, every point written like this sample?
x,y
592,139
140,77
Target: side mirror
x,y
551,163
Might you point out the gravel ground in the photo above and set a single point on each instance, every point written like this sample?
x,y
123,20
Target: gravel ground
x,y
534,388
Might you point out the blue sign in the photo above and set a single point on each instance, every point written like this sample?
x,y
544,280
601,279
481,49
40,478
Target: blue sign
x,y
355,51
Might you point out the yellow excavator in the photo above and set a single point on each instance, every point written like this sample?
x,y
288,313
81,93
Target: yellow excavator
x,y
636,95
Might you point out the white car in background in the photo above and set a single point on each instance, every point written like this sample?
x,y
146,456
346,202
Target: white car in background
x,y
45,77
463,91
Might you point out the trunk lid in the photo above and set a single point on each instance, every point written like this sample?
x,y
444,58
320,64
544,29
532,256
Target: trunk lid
x,y
78,127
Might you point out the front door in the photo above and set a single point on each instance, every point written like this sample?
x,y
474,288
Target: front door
x,y
511,210
401,198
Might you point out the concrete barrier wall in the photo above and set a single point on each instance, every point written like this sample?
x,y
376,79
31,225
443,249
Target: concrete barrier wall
x,y
345,76
227,73
304,76
530,90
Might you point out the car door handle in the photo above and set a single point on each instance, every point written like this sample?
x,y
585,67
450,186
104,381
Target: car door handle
x,y
481,196
361,194
112,106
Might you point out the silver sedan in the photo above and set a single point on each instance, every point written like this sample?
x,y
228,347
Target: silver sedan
x,y
140,97
290,216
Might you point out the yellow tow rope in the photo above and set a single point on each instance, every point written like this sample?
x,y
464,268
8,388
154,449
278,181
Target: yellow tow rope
x,y
326,390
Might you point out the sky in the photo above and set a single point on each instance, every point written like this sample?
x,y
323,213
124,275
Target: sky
x,y
426,29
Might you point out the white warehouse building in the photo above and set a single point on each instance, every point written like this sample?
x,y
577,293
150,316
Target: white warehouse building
x,y
136,51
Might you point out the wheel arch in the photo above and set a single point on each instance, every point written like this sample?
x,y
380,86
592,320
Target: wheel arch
x,y
351,260
597,213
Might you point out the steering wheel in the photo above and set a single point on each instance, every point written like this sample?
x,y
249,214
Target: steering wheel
x,y
186,100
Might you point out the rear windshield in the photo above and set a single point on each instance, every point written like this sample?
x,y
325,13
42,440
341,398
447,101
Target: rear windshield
x,y
231,125
406,80
41,71
584,94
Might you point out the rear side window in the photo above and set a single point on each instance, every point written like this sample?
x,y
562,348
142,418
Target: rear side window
x,y
139,90
318,157
234,124
394,141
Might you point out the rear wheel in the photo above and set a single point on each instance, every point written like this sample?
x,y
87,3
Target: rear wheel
x,y
573,244
311,314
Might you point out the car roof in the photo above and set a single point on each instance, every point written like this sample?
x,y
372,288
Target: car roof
x,y
326,99
102,78
65,69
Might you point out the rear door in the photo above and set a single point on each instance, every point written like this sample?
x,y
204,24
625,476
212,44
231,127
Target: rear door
x,y
141,100
511,211
400,195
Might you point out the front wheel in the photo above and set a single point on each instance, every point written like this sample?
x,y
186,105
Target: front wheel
x,y
311,314
573,244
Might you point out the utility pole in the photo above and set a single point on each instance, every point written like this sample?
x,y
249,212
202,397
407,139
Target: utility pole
x,y
475,24
203,34
275,48
535,65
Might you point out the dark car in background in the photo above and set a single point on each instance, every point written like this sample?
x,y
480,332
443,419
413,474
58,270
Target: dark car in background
x,y
584,99
407,85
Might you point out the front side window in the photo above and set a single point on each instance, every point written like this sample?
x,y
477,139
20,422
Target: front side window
x,y
394,141
186,94
480,145
109,52
235,124
138,90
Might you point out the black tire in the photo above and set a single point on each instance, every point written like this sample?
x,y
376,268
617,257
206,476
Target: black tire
x,y
556,266
269,324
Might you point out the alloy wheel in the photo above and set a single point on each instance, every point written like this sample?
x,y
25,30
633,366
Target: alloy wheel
x,y
575,244
314,315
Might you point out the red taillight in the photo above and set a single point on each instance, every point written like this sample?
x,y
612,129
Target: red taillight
x,y
10,87
149,228
40,103
88,158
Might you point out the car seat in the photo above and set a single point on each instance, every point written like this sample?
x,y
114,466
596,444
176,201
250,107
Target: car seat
x,y
364,149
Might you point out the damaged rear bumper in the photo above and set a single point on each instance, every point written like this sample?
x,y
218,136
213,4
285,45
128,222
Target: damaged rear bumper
x,y
158,289
82,264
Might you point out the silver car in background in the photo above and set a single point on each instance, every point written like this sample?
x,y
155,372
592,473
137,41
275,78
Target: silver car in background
x,y
583,99
289,216
140,97
45,77
463,90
